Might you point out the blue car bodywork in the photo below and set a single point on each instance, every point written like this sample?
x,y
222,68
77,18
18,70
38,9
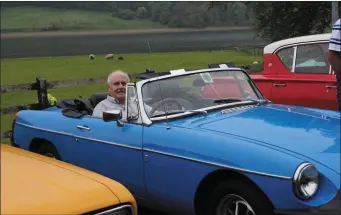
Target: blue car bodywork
x,y
168,164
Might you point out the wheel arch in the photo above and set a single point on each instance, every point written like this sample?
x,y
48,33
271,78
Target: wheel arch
x,y
36,143
212,180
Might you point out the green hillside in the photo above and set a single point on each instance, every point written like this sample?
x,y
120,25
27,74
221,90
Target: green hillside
x,y
28,19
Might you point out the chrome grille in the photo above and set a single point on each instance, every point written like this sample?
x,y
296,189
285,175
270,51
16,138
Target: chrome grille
x,y
119,210
234,109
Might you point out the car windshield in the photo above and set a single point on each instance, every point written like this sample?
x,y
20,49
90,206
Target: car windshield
x,y
196,91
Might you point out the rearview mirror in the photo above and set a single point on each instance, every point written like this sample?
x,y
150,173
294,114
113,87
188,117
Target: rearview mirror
x,y
199,83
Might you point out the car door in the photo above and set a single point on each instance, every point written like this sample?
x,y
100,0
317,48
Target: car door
x,y
113,150
282,78
170,180
314,83
331,91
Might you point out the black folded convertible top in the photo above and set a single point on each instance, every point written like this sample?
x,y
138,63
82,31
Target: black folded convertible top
x,y
75,108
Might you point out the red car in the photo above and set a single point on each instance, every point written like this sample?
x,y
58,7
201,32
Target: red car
x,y
296,72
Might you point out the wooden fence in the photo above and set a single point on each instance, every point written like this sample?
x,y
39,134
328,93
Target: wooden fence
x,y
41,86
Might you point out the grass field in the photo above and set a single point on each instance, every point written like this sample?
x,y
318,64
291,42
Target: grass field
x,y
27,19
16,71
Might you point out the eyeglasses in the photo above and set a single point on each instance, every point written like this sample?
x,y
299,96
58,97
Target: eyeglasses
x,y
119,82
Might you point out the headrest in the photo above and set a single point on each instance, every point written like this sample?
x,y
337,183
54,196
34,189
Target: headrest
x,y
98,97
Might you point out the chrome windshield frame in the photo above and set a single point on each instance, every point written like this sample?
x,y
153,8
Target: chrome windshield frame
x,y
148,121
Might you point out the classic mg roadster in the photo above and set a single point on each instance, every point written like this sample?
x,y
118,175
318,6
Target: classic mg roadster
x,y
198,142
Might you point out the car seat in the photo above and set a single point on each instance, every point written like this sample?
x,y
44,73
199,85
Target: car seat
x,y
97,98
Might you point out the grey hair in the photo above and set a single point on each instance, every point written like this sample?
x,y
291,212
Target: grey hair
x,y
117,72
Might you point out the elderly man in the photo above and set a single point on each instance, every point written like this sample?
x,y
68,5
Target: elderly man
x,y
117,82
334,56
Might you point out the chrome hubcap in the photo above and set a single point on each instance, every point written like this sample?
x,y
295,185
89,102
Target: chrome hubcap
x,y
48,154
234,205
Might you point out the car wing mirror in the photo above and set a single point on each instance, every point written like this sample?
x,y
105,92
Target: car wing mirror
x,y
113,115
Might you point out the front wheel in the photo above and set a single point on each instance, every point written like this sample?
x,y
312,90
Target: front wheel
x,y
237,197
49,150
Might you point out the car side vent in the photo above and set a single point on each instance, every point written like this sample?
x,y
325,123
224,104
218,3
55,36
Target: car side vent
x,y
234,109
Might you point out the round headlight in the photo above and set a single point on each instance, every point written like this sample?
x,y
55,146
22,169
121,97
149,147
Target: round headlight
x,y
306,181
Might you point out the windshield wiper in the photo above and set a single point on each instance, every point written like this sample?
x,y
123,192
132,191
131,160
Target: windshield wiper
x,y
259,101
168,113
181,111
228,100
198,111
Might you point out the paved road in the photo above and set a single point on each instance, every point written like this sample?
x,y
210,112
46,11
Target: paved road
x,y
145,211
130,43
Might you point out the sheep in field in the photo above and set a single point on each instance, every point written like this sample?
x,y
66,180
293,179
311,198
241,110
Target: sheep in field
x,y
109,56
92,56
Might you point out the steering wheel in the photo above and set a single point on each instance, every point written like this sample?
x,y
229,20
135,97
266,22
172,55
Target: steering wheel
x,y
176,101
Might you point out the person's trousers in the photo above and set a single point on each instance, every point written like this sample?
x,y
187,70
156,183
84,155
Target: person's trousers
x,y
338,83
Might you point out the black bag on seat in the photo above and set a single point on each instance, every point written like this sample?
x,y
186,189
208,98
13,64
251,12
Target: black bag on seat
x,y
75,108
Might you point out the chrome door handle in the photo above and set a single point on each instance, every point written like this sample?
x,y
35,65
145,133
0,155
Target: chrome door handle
x,y
331,86
283,85
83,127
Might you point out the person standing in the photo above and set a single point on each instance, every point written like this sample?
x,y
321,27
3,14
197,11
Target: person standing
x,y
334,56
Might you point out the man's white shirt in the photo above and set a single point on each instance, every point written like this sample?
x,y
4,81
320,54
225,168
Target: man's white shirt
x,y
335,39
111,103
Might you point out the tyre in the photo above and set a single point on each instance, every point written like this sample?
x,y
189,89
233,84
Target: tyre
x,y
238,197
48,150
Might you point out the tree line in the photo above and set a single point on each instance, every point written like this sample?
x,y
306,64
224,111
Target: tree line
x,y
271,20
172,14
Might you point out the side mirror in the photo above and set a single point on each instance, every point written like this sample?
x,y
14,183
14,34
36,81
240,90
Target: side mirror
x,y
113,115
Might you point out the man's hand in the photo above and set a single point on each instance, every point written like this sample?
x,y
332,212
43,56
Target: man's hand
x,y
334,59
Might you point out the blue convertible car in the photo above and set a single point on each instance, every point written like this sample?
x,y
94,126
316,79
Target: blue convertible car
x,y
199,142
